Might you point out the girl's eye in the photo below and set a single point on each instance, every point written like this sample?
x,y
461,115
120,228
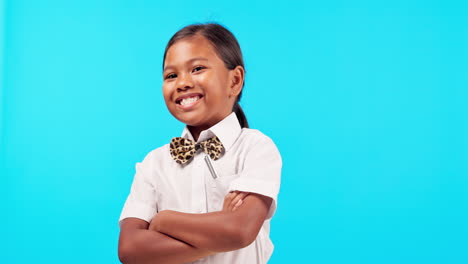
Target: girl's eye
x,y
198,68
171,76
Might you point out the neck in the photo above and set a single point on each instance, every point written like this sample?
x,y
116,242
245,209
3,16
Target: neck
x,y
196,130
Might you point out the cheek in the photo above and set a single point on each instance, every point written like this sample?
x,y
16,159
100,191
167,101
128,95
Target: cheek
x,y
166,93
213,84
202,80
168,100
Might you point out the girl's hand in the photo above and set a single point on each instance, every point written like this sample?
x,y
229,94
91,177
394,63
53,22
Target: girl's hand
x,y
153,224
233,200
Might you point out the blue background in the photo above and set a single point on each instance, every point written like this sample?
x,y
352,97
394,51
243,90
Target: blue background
x,y
366,100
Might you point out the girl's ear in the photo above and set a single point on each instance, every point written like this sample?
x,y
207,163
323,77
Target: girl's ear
x,y
237,80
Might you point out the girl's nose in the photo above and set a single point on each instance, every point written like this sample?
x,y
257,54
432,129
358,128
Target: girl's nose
x,y
184,82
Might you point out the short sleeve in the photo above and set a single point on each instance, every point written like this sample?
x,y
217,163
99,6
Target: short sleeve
x,y
141,202
261,173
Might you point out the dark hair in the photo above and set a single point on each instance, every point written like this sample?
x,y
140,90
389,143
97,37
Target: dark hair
x,y
226,47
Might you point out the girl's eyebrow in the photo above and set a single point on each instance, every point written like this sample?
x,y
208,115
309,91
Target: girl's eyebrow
x,y
187,62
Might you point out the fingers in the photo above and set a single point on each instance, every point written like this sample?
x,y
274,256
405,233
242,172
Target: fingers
x,y
238,200
239,203
234,200
227,201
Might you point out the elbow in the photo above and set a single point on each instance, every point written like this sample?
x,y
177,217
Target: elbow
x,y
231,237
246,238
242,235
123,255
125,252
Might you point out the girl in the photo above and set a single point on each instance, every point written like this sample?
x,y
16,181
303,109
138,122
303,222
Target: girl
x,y
208,196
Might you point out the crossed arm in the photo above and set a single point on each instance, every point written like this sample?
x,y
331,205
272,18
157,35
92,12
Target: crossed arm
x,y
175,237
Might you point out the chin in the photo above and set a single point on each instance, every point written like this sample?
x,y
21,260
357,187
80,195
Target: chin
x,y
189,121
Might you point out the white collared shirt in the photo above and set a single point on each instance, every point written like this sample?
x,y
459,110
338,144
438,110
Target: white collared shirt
x,y
250,163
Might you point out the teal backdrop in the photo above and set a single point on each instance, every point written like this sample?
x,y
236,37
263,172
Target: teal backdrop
x,y
366,100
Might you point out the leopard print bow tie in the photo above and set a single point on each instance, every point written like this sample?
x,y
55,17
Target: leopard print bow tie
x,y
183,149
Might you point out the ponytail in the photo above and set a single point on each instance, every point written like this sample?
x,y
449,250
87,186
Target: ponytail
x,y
240,115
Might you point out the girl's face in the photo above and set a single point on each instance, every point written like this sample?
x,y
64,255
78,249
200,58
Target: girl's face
x,y
198,88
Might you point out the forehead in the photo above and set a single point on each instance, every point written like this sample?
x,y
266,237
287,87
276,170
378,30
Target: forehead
x,y
189,48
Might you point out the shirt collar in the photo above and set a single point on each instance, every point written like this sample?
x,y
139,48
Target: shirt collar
x,y
227,130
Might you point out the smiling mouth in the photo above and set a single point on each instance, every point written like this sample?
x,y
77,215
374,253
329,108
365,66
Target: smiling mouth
x,y
188,100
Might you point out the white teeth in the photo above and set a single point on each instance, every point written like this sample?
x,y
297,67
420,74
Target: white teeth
x,y
189,100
